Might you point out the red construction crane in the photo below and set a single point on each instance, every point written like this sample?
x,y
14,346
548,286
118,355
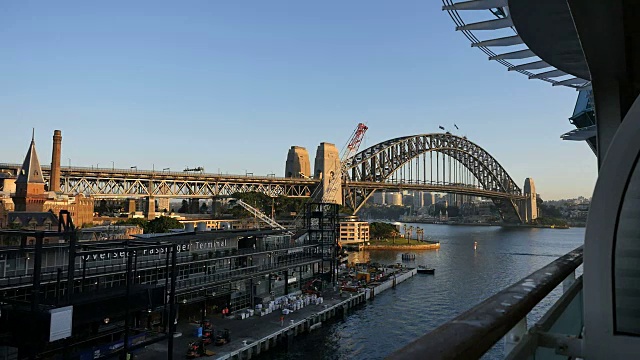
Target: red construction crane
x,y
347,153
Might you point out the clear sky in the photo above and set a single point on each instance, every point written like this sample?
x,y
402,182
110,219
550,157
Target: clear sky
x,y
231,85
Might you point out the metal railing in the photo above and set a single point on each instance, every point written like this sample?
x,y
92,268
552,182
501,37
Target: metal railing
x,y
474,332
150,262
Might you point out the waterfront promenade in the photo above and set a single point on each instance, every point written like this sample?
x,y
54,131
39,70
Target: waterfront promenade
x,y
264,332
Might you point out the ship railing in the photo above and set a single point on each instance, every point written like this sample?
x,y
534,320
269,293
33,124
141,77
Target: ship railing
x,y
503,316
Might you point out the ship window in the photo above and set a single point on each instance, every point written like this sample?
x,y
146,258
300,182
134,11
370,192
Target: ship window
x,y
626,261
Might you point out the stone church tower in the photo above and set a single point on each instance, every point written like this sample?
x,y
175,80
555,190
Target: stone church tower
x,y
30,194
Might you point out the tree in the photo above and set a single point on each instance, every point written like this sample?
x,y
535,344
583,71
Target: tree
x,y
185,207
204,208
380,230
453,211
142,223
394,235
162,224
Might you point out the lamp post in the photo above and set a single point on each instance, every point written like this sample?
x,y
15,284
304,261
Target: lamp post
x,y
135,167
69,162
113,165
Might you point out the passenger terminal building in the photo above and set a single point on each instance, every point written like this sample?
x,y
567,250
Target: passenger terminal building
x,y
99,288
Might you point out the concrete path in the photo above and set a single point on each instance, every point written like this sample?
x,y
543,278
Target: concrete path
x,y
250,329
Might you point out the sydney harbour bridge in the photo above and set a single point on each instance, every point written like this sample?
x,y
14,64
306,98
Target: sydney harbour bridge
x,y
436,162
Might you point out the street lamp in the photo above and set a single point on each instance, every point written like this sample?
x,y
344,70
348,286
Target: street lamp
x,y
135,167
113,165
69,162
166,169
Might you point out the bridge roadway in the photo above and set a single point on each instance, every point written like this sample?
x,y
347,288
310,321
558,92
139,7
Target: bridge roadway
x,y
128,183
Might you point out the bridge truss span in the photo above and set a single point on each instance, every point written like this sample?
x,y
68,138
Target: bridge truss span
x,y
432,161
114,185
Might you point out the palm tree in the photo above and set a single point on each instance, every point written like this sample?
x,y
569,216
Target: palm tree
x,y
410,234
393,235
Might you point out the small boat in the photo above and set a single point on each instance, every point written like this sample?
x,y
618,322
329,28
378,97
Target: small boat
x,y
426,270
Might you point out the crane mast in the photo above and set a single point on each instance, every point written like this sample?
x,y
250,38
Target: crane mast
x,y
259,214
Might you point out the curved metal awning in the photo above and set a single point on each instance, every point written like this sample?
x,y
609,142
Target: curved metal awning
x,y
488,24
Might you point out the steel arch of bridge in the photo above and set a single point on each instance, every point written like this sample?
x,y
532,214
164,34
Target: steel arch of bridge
x,y
379,162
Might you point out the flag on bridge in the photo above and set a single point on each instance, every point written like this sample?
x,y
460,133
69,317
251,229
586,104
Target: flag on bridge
x,y
441,127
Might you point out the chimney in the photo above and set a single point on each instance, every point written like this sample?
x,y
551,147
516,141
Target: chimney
x,y
54,181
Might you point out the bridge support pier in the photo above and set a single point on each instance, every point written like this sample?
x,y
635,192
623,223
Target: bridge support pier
x,y
131,206
151,208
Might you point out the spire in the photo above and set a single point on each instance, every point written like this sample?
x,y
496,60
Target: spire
x,y
31,171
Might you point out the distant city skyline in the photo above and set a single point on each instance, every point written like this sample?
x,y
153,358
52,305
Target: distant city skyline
x,y
231,87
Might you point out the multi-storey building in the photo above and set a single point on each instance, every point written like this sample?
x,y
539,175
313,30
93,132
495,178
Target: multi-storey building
x,y
353,231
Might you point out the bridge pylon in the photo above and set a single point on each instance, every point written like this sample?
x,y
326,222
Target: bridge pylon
x,y
528,207
327,167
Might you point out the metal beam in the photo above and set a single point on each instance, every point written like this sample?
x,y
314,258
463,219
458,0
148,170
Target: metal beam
x,y
530,66
504,41
493,24
476,5
521,54
572,81
548,74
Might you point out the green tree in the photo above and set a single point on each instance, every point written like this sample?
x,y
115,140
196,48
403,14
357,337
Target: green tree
x,y
453,211
185,207
204,208
345,210
379,230
134,221
162,224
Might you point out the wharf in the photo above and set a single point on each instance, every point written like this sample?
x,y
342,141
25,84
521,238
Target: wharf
x,y
257,334
428,246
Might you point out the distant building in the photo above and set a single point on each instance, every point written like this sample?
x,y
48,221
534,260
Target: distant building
x,y
6,206
428,198
110,232
30,195
7,183
163,204
43,220
394,198
353,231
379,197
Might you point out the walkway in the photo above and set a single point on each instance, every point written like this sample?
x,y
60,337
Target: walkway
x,y
250,329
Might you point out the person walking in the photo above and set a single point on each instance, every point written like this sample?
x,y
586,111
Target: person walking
x,y
281,320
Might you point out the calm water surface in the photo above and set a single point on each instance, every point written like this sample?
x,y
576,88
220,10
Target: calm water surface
x,y
464,277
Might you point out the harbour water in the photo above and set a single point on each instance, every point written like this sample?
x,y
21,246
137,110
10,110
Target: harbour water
x,y
463,278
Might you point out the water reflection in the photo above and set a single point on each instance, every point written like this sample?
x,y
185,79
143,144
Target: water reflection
x,y
464,276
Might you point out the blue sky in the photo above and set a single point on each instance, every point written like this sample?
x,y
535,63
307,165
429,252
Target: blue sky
x,y
232,85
